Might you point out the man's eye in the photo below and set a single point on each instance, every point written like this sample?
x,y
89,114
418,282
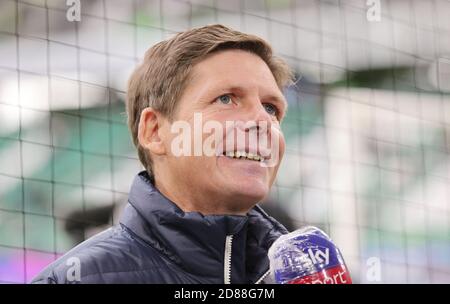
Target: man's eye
x,y
224,99
270,108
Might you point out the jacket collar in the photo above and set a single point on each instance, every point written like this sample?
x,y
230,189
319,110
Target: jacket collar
x,y
196,242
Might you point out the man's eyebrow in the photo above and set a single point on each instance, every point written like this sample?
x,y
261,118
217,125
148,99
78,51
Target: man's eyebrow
x,y
278,98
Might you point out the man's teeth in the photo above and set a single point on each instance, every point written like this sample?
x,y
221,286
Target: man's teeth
x,y
243,154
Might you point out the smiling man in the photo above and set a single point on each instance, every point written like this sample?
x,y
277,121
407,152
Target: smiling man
x,y
193,217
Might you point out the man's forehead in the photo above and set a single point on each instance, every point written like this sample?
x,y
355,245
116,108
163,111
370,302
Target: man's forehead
x,y
231,64
231,82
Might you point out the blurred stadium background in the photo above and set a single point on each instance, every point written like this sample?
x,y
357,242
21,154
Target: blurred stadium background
x,y
368,129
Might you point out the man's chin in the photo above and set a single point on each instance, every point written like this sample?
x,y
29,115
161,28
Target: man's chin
x,y
247,192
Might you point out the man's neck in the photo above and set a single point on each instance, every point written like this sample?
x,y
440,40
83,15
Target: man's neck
x,y
195,201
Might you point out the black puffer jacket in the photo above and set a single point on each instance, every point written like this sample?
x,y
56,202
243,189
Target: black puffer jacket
x,y
156,242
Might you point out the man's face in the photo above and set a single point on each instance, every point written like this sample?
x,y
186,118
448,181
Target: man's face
x,y
229,86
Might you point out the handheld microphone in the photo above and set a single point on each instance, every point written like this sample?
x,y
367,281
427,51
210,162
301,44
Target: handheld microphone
x,y
307,256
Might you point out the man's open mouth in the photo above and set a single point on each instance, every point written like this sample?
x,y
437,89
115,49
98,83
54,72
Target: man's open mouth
x,y
244,155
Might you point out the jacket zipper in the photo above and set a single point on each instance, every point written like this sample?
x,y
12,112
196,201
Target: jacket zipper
x,y
263,277
227,260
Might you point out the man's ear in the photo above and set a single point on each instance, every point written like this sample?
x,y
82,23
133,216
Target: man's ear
x,y
149,134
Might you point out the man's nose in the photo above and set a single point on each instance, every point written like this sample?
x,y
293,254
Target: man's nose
x,y
256,117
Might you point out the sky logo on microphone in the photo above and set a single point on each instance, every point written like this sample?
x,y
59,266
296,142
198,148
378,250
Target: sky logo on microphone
x,y
319,256
307,256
